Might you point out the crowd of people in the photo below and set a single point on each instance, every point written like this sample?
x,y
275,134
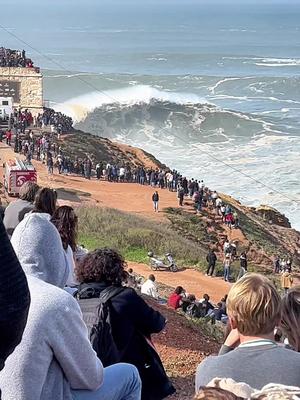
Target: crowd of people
x,y
14,58
183,301
61,123
63,356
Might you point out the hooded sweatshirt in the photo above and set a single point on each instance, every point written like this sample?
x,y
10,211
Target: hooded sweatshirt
x,y
55,354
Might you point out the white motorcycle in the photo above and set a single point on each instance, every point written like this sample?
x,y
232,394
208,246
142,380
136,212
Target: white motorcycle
x,y
167,263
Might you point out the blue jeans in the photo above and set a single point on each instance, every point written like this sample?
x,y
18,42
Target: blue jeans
x,y
155,204
226,273
121,382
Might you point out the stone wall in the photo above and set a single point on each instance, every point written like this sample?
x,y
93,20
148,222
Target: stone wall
x,y
25,85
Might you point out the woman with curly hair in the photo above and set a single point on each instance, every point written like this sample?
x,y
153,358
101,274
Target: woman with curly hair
x,y
132,320
66,222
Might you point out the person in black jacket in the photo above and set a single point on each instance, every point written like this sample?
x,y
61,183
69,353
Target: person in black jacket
x,y
211,259
14,298
155,199
243,265
132,320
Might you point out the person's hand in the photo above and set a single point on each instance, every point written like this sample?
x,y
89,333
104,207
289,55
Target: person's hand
x,y
233,339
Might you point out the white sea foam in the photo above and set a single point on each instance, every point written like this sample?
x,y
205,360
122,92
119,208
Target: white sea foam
x,y
157,59
79,107
72,75
221,81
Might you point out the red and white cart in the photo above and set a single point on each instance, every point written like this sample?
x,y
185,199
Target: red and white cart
x,y
17,172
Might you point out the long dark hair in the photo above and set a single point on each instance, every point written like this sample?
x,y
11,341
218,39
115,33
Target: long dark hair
x,y
66,222
45,201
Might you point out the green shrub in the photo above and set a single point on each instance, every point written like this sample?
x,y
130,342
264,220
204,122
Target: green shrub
x,y
135,236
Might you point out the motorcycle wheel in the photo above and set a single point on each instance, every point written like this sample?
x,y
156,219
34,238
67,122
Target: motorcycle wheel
x,y
173,268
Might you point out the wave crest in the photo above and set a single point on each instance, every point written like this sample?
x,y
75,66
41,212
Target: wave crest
x,y
79,107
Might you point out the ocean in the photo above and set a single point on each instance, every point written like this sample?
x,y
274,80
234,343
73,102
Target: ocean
x,y
210,88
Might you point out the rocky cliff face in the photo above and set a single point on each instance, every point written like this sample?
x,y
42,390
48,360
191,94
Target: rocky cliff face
x,y
266,233
81,144
272,216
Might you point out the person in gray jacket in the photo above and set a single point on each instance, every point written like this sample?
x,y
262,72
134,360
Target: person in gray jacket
x,y
16,210
250,354
55,359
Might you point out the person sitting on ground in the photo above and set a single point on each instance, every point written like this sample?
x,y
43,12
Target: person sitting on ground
x,y
211,259
15,298
206,305
149,287
132,320
188,301
250,354
131,279
55,359
290,320
286,280
16,210
223,301
175,299
66,222
219,314
45,202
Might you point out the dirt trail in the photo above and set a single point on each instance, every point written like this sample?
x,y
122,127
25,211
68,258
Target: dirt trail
x,y
193,281
127,197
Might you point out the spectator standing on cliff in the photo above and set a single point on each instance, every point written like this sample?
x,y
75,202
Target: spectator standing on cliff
x,y
289,264
286,280
50,164
180,195
243,265
99,168
155,200
8,137
277,265
227,264
211,259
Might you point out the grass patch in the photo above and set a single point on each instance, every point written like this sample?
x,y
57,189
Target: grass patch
x,y
190,226
134,236
215,331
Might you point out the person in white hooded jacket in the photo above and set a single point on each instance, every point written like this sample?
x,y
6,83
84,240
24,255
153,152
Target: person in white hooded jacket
x,y
55,359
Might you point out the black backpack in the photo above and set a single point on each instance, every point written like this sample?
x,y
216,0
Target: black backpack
x,y
96,313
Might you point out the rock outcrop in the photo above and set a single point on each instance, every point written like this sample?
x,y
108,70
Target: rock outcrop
x,y
273,216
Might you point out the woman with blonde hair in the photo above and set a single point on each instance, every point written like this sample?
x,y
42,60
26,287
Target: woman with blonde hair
x,y
290,320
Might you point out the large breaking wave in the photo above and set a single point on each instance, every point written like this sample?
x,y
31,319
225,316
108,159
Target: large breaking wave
x,y
142,112
201,139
